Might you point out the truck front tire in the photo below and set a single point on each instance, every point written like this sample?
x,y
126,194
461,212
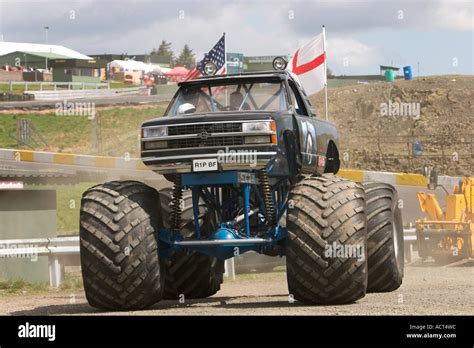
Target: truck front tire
x,y
119,223
326,215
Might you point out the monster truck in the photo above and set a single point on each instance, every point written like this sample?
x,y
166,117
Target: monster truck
x,y
252,168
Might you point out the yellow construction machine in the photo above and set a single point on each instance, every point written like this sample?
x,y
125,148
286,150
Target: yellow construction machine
x,y
447,236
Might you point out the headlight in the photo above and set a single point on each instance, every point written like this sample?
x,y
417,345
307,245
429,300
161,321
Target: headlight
x,y
210,68
264,126
155,132
279,63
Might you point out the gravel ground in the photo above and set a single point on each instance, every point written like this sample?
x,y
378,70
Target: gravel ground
x,y
427,289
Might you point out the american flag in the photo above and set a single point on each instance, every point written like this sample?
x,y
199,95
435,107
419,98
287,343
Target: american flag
x,y
215,55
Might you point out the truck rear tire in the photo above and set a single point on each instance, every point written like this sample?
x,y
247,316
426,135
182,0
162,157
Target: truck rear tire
x,y
384,237
326,214
119,223
193,275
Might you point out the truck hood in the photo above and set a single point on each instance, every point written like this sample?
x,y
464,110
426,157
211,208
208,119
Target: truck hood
x,y
214,116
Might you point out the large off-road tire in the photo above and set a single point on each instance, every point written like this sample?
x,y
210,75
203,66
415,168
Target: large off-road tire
x,y
324,212
119,223
384,237
193,275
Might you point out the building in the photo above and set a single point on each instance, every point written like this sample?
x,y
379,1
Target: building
x,y
384,68
67,65
76,70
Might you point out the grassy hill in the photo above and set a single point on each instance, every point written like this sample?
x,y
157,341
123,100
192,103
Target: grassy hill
x,y
113,131
372,140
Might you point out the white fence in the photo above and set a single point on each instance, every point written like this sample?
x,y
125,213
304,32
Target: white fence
x,y
41,84
86,93
59,250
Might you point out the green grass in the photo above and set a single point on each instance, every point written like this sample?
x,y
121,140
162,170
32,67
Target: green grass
x,y
71,282
19,89
113,132
121,85
14,287
166,89
68,202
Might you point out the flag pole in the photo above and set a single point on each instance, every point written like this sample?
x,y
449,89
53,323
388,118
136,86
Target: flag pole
x,y
225,67
225,53
325,73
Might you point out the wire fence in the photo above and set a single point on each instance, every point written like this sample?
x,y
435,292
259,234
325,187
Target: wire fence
x,y
412,152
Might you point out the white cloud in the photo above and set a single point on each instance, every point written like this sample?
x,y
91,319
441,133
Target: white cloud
x,y
201,32
346,55
253,28
455,15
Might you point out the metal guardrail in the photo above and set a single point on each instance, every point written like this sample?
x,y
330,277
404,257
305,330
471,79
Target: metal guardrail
x,y
55,85
409,234
85,93
409,239
60,250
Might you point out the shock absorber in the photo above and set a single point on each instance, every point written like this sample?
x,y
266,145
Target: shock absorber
x,y
176,202
267,196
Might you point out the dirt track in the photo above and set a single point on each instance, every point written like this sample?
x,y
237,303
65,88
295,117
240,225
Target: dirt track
x,y
426,290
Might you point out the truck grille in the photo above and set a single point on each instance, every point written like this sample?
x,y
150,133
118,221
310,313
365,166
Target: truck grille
x,y
212,141
205,127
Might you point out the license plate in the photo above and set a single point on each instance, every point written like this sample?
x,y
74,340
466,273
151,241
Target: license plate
x,y
204,165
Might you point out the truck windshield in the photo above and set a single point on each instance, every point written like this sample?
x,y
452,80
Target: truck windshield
x,y
242,97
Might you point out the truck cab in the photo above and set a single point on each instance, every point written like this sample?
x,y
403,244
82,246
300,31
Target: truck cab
x,y
241,121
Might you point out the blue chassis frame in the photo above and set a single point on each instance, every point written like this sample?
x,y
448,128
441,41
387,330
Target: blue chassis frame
x,y
227,241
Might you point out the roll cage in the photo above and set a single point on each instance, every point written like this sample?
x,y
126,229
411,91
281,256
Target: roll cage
x,y
246,81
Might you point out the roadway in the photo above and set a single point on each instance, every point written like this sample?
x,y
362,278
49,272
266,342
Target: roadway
x,y
426,290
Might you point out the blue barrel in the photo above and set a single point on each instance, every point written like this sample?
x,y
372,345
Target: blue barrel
x,y
407,73
417,149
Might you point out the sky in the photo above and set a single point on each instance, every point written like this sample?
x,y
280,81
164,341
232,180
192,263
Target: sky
x,y
433,36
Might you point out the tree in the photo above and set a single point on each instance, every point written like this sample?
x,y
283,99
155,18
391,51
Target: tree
x,y
164,50
186,58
